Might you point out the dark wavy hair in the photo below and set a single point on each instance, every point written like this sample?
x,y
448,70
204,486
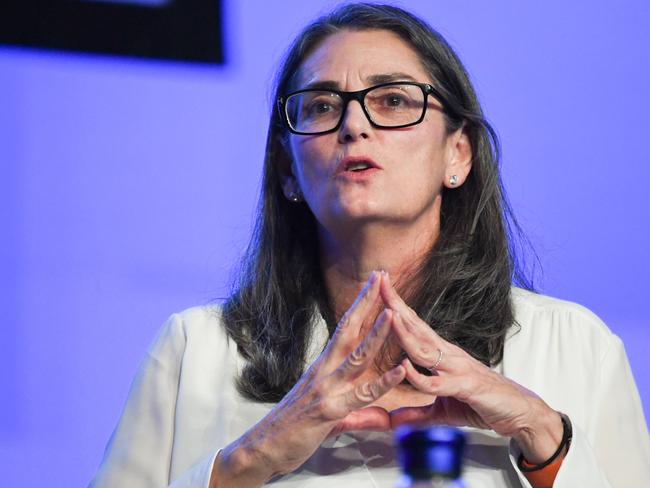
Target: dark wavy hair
x,y
463,284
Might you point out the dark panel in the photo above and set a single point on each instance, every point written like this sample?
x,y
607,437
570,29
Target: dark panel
x,y
187,30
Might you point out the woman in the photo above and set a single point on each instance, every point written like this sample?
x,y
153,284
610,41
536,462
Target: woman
x,y
377,291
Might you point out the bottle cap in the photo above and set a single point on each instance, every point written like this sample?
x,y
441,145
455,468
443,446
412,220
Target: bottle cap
x,y
432,451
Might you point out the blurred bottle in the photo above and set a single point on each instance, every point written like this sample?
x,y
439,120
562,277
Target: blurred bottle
x,y
430,457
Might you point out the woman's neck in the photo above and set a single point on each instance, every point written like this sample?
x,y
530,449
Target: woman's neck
x,y
347,260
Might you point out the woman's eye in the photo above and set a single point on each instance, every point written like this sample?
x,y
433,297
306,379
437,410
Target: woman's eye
x,y
316,108
390,101
322,107
393,101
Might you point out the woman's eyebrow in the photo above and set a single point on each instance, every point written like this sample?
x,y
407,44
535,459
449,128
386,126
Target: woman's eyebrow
x,y
322,85
389,77
371,80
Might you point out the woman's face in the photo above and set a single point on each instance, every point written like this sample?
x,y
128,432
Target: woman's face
x,y
409,165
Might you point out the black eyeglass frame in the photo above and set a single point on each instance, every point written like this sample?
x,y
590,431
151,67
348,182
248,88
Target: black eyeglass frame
x,y
360,96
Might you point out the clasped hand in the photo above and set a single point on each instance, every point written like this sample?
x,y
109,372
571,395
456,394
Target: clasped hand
x,y
337,392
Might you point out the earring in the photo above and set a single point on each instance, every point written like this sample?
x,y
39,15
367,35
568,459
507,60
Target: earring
x,y
295,196
453,180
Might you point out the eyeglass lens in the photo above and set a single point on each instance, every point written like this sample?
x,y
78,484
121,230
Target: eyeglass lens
x,y
387,106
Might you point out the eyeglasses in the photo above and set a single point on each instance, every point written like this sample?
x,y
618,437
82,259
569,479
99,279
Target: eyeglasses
x,y
387,106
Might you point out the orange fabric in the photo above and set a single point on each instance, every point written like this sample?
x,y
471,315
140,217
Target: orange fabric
x,y
543,478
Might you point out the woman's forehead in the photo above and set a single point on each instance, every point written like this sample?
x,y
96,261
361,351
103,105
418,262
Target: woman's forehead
x,y
367,57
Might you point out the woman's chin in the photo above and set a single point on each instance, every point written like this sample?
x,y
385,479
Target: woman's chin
x,y
359,212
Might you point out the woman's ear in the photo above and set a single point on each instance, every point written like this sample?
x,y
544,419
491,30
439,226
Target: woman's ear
x,y
291,189
459,160
288,181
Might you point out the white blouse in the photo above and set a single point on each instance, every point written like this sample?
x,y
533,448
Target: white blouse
x,y
183,407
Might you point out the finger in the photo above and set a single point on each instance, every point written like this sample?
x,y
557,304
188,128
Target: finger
x,y
422,346
426,384
358,360
459,387
415,326
353,318
392,299
438,413
410,415
366,393
370,418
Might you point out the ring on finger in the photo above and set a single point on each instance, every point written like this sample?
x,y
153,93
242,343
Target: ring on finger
x,y
433,368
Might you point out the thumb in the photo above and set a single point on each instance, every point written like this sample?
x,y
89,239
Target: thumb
x,y
370,418
411,415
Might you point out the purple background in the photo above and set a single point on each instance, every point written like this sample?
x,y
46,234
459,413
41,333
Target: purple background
x,y
127,191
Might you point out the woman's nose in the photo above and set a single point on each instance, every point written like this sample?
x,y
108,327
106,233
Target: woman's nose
x,y
355,125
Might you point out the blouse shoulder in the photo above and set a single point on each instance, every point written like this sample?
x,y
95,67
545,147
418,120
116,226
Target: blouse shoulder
x,y
192,319
201,316
190,327
547,319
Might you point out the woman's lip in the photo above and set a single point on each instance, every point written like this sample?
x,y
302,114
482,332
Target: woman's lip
x,y
349,161
357,175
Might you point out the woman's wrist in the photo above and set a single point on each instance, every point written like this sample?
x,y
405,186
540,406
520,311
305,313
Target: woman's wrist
x,y
238,466
540,440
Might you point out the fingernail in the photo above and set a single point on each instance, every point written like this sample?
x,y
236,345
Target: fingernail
x,y
373,277
395,372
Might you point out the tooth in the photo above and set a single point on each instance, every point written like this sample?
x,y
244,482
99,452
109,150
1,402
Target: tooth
x,y
359,167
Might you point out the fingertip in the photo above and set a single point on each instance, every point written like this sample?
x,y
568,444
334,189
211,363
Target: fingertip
x,y
397,375
388,291
409,368
399,369
385,315
398,317
385,279
384,287
383,325
402,372
375,280
386,275
372,279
